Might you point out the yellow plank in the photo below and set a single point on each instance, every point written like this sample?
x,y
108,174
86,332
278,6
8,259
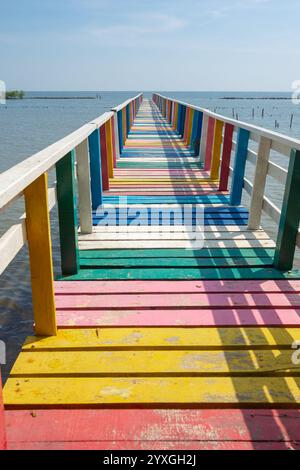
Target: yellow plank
x,y
109,147
216,154
200,391
183,338
205,363
40,253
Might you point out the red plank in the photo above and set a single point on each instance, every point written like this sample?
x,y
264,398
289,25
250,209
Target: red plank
x,y
104,159
175,317
161,429
2,421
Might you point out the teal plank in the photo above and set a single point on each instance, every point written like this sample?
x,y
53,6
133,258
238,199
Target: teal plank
x,y
290,216
66,201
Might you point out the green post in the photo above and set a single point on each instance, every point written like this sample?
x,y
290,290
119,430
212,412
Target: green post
x,y
66,200
290,216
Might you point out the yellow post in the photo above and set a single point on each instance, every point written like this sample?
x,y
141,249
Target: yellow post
x,y
189,133
109,148
40,253
216,153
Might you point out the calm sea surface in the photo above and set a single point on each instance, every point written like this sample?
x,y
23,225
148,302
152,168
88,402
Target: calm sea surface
x,y
29,125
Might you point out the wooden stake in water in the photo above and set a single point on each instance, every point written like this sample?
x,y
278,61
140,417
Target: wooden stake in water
x,y
291,120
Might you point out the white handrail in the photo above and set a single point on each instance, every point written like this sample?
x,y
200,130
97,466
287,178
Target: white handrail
x,y
122,105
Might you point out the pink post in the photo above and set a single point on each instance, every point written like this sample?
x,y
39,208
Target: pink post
x,y
226,154
2,421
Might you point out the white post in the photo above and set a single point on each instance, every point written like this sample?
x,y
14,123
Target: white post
x,y
259,183
203,138
84,187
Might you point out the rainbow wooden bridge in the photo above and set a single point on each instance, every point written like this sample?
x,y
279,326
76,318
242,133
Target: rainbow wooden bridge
x,y
142,343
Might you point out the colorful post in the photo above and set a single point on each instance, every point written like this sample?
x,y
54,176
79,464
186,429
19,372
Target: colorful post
x,y
290,216
226,156
216,152
239,167
95,169
104,158
66,201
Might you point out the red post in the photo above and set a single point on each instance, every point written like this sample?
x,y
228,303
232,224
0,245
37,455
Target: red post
x,y
104,162
186,125
114,142
2,421
226,154
209,143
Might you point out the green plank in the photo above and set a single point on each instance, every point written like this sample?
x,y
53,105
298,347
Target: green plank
x,y
175,262
178,253
290,216
66,201
181,274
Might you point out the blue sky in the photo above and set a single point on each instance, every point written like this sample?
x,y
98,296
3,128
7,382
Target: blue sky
x,y
150,45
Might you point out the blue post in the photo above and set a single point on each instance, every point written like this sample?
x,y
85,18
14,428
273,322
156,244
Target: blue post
x,y
171,109
95,168
127,119
120,128
196,132
179,118
239,167
182,120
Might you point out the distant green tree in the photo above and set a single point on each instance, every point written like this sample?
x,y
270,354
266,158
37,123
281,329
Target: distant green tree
x,y
15,95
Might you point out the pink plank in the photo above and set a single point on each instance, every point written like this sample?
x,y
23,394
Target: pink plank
x,y
154,445
178,300
209,143
138,427
178,317
2,421
108,287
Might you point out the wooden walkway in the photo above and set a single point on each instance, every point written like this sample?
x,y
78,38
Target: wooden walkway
x,y
159,346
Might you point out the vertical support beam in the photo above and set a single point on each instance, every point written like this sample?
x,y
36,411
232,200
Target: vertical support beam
x,y
226,157
104,159
40,255
241,152
190,125
66,201
120,129
209,143
203,138
175,116
124,125
109,148
290,216
95,169
84,188
196,135
259,183
128,124
186,125
3,444
216,152
114,128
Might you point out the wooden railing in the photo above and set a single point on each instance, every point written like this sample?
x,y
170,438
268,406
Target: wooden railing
x,y
214,138
125,114
90,152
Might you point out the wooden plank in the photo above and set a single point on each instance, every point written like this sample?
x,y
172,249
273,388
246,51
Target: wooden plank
x,y
95,169
239,167
290,216
165,338
153,363
40,255
259,183
203,138
185,287
180,391
226,156
213,317
141,244
3,441
66,201
199,300
216,152
84,188
134,428
209,143
109,148
104,158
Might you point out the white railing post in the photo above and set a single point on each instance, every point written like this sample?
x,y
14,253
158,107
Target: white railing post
x,y
84,187
203,140
259,183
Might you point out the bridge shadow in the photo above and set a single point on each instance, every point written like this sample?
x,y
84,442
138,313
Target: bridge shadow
x,y
261,389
